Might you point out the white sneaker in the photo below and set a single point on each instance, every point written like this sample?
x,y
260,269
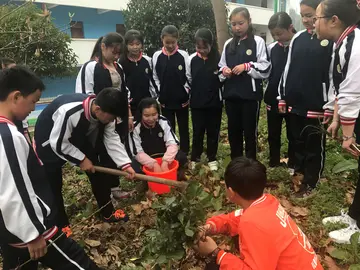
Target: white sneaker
x,y
192,165
213,165
343,218
343,236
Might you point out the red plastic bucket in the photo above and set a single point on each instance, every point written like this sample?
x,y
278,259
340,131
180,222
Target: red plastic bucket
x,y
170,175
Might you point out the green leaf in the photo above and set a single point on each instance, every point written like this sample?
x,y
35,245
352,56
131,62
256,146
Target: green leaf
x,y
354,241
340,254
170,200
189,232
217,203
192,189
354,267
345,165
181,218
177,255
152,233
161,259
227,161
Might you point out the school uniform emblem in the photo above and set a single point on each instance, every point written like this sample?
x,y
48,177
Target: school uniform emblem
x,y
180,67
249,52
146,70
339,68
324,43
160,135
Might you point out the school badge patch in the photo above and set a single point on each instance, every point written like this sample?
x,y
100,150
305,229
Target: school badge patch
x,y
338,68
324,43
160,135
146,70
249,52
180,67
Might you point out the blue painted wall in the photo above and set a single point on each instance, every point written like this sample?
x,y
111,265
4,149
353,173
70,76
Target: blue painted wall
x,y
58,86
237,1
95,25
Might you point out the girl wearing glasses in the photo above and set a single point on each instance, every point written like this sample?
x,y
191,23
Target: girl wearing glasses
x,y
102,72
304,91
337,20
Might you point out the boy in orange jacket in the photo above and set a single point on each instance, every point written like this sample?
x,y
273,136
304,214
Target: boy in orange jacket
x,y
268,238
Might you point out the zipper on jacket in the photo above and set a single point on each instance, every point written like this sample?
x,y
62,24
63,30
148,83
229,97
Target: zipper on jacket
x,y
253,84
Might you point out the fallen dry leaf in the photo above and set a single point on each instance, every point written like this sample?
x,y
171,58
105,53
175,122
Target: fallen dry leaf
x,y
297,180
207,190
330,249
330,263
92,243
137,209
286,204
217,191
297,211
114,251
102,226
99,260
349,196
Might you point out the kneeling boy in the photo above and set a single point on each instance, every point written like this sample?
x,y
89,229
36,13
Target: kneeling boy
x,y
268,237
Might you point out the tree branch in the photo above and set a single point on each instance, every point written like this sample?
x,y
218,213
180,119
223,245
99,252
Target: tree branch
x,y
16,9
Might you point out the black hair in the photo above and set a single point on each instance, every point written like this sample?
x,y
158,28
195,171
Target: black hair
x,y
250,32
129,37
19,78
348,11
280,20
170,30
6,61
207,37
110,39
97,49
113,101
246,177
311,3
145,104
132,35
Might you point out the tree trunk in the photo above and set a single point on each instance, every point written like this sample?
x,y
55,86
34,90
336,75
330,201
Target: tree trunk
x,y
222,29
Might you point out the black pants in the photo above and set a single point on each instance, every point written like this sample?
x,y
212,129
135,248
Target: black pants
x,y
101,185
309,147
182,116
209,121
354,210
274,121
65,254
54,174
243,117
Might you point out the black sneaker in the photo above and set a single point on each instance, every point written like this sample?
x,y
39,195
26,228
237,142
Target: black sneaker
x,y
117,216
304,192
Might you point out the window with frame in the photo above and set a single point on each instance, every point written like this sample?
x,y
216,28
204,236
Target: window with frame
x,y
77,29
120,28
